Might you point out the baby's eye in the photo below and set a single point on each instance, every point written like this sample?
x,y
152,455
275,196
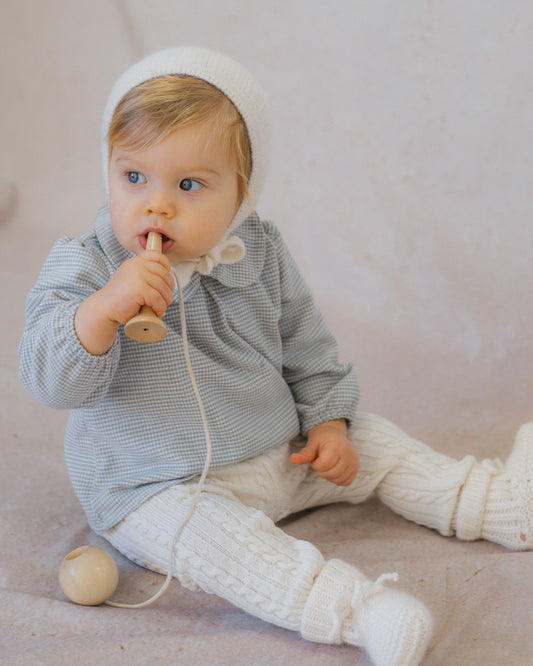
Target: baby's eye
x,y
135,177
190,185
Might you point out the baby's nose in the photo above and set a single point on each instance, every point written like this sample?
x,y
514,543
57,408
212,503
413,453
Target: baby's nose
x,y
161,204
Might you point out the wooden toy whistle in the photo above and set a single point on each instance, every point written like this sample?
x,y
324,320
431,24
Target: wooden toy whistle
x,y
146,326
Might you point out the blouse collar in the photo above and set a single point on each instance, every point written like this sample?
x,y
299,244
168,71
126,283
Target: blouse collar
x,y
236,261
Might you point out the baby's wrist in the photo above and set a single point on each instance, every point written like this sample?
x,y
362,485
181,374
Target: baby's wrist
x,y
337,424
96,331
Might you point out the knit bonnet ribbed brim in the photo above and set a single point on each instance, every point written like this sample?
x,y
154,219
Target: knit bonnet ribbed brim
x,y
225,74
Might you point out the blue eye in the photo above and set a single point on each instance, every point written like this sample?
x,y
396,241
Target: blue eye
x,y
190,185
135,177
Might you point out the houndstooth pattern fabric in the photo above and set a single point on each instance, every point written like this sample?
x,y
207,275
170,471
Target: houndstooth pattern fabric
x,y
264,360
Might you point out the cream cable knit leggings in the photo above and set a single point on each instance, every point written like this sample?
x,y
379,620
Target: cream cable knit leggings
x,y
231,546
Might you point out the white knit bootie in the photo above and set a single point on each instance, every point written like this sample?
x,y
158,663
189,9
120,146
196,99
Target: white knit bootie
x,y
344,606
496,502
473,500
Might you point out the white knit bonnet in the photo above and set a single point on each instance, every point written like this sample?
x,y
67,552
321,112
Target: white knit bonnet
x,y
241,88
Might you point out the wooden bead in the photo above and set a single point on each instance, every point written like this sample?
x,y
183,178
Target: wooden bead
x,y
88,576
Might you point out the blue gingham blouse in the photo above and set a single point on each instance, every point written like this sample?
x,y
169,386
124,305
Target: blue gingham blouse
x,y
265,363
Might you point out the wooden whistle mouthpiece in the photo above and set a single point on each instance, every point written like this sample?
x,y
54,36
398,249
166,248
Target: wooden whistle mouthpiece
x,y
146,326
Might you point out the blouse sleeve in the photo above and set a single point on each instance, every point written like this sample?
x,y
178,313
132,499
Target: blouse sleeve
x,y
53,365
323,388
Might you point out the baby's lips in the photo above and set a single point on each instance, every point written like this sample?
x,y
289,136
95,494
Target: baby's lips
x,y
167,242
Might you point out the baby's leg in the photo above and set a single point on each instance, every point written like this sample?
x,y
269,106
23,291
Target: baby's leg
x,y
473,500
238,553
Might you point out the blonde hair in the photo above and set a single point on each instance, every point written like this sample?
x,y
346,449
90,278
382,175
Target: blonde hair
x,y
152,110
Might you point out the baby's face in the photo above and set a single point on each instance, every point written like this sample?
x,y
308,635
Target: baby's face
x,y
181,187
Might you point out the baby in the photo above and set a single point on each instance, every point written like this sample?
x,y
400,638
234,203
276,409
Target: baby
x,y
185,142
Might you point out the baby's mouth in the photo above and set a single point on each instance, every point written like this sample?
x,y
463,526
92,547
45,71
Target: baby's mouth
x,y
164,238
166,242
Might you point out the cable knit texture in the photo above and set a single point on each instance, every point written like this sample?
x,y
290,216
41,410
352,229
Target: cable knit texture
x,y
413,480
474,500
239,554
232,548
227,549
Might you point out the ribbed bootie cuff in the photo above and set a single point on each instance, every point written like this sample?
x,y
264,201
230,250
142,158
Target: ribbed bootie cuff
x,y
472,503
319,621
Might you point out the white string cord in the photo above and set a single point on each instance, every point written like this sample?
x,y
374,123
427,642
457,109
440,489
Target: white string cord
x,y
207,462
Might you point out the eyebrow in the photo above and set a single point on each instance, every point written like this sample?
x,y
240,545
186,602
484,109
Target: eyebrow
x,y
198,169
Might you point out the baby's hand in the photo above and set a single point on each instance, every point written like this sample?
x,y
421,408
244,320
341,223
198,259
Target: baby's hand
x,y
141,280
330,453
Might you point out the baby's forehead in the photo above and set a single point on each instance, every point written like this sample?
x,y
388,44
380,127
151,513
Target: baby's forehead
x,y
154,108
205,135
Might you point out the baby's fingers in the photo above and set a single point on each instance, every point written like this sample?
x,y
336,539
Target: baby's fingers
x,y
158,294
328,460
335,467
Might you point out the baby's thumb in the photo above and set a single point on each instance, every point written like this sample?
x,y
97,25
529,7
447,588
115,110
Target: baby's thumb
x,y
305,455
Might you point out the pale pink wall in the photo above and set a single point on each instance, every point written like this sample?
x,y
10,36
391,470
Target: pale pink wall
x,y
401,173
